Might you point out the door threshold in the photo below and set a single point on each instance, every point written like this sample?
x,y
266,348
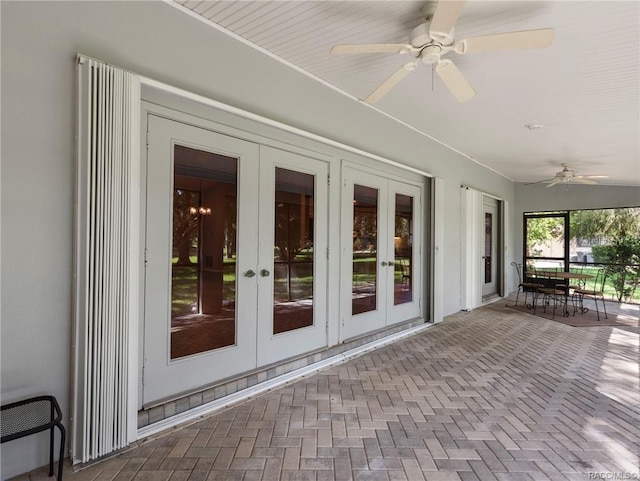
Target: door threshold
x,y
490,299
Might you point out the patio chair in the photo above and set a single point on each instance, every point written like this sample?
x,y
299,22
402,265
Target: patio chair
x,y
525,286
406,275
596,294
556,293
577,283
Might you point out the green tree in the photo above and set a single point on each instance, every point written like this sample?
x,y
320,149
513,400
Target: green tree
x,y
617,231
186,224
543,230
605,223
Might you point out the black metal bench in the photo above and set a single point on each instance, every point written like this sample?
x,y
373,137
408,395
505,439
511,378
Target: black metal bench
x,y
31,416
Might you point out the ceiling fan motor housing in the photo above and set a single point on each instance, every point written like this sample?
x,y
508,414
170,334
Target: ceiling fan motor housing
x,y
431,54
420,36
566,173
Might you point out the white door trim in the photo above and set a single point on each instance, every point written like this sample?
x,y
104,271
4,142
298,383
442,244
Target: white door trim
x,y
276,347
386,312
159,369
472,245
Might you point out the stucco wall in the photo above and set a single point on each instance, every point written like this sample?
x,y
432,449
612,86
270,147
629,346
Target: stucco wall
x,y
39,43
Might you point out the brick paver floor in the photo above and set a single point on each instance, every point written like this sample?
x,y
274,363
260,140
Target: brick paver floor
x,y
491,395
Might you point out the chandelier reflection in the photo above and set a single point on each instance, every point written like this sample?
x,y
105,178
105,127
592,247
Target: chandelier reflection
x,y
200,210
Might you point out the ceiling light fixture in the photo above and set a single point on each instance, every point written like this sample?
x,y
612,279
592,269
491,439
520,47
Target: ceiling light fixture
x,y
533,126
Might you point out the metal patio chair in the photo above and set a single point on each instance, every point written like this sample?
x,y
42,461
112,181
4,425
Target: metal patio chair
x,y
596,294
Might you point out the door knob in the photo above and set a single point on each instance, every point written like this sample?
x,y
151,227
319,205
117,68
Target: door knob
x,y
391,263
249,273
383,263
264,273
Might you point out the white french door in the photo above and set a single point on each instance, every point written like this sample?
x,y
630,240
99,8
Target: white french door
x,y
292,255
490,259
234,277
382,252
199,241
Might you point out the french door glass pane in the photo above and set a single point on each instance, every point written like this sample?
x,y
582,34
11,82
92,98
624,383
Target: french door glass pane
x,y
488,246
403,249
365,249
203,264
293,250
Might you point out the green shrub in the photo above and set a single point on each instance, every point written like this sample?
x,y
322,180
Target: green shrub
x,y
624,254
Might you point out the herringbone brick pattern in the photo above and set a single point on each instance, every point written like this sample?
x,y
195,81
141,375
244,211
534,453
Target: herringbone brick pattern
x,y
491,395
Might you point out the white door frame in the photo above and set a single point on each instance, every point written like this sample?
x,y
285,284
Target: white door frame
x,y
175,103
472,247
491,206
159,369
256,345
276,347
386,313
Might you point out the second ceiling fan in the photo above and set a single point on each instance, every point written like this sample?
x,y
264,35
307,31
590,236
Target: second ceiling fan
x,y
434,38
569,176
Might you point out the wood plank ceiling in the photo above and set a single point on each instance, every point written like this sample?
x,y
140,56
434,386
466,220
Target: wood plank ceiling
x,y
584,89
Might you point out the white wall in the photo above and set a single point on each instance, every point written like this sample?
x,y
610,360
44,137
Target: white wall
x,y
39,43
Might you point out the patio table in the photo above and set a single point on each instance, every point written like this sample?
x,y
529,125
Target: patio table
x,y
542,274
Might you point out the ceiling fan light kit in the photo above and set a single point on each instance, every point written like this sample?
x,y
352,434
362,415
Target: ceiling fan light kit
x,y
435,38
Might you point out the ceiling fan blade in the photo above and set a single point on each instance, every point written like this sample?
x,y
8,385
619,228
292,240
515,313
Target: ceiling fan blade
x,y
553,182
445,17
593,176
507,41
372,48
391,82
579,180
455,81
540,181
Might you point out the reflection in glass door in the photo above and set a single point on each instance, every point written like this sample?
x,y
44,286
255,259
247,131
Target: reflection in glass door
x,y
293,250
403,250
203,263
405,271
365,249
488,246
381,229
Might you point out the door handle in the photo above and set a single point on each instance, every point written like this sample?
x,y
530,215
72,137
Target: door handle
x,y
264,273
391,263
249,273
383,263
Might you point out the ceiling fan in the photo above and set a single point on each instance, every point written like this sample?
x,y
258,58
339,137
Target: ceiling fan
x,y
430,41
568,176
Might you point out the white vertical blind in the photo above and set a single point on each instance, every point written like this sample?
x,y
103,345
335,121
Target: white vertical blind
x,y
106,257
472,227
438,227
505,280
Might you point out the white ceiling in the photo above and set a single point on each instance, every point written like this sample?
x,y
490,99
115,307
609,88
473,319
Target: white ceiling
x,y
584,89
